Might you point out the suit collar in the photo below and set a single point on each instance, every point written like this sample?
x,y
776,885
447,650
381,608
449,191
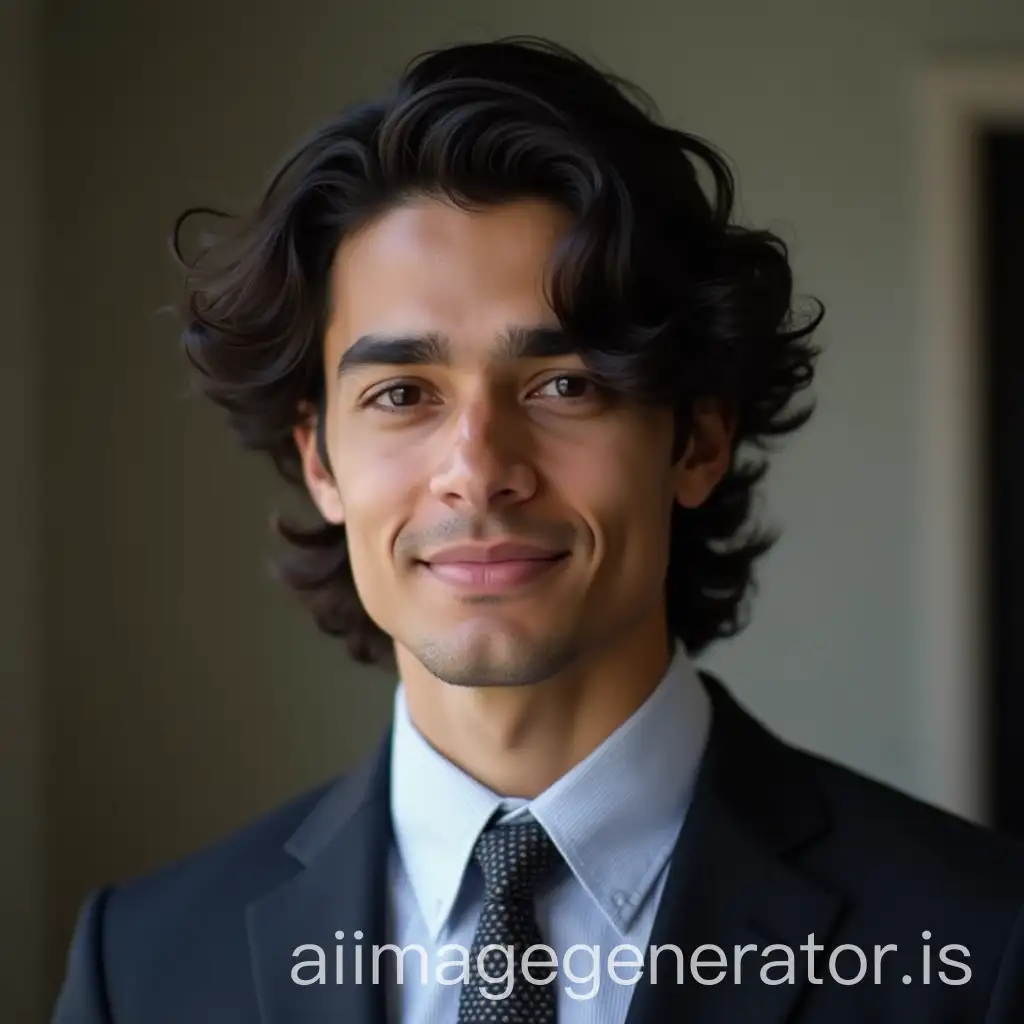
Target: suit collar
x,y
761,779
734,881
342,848
365,791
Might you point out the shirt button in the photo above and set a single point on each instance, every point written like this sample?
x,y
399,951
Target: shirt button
x,y
619,899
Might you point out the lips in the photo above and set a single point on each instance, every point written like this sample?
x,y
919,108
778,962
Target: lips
x,y
492,568
490,554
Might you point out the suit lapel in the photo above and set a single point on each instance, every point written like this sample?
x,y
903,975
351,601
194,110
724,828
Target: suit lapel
x,y
343,849
733,882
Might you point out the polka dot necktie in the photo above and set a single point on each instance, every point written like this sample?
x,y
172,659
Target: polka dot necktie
x,y
514,860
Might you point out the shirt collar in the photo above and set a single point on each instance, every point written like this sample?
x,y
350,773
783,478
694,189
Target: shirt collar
x,y
614,817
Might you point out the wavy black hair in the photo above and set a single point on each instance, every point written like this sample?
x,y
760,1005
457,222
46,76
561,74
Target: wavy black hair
x,y
675,302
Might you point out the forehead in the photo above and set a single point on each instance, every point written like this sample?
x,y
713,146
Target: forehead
x,y
429,266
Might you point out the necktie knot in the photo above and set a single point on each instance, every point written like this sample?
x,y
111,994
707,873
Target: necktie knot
x,y
514,859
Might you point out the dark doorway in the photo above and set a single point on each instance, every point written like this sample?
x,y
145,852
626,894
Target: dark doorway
x,y
1002,309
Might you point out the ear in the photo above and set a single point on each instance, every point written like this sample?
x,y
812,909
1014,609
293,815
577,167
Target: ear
x,y
707,457
319,481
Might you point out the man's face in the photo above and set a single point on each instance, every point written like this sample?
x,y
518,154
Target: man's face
x,y
504,516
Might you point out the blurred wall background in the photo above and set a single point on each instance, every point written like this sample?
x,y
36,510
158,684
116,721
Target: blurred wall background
x,y
22,909
154,679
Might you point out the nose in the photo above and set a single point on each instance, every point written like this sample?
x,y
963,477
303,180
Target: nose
x,y
486,461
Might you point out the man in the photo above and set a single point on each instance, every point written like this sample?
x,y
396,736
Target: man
x,y
517,356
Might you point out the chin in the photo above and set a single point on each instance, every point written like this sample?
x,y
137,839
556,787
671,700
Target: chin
x,y
488,653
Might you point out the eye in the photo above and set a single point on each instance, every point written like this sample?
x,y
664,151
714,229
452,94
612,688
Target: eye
x,y
395,397
568,385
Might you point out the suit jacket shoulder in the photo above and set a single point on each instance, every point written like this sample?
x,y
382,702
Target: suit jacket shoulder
x,y
897,837
784,848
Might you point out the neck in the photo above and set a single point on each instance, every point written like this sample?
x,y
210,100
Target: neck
x,y
519,740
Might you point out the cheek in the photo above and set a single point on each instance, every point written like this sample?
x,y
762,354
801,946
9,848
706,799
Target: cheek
x,y
378,494
623,491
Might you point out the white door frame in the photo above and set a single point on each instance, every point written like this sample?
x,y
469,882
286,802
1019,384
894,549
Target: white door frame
x,y
954,100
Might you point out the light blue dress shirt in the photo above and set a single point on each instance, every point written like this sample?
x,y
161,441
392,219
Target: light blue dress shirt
x,y
614,817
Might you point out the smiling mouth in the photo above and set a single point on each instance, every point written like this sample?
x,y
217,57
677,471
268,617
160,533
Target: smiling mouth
x,y
501,574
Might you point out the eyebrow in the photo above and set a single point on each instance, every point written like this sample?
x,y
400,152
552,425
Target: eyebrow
x,y
434,349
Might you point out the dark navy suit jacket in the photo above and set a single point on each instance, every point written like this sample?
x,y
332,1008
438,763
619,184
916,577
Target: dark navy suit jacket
x,y
779,845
